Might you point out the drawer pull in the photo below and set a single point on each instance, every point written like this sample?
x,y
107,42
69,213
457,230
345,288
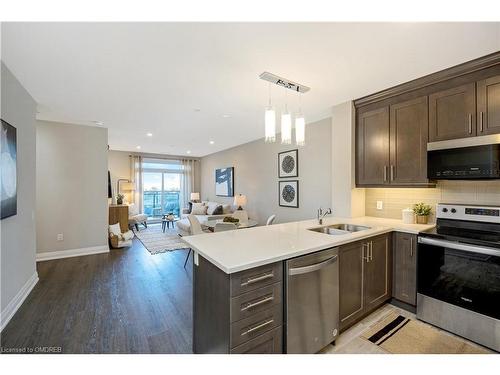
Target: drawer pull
x,y
257,327
250,305
258,278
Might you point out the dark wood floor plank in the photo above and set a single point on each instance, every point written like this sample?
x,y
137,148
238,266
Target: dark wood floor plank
x,y
127,301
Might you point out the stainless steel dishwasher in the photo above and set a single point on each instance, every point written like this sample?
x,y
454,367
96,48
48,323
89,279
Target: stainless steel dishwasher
x,y
312,301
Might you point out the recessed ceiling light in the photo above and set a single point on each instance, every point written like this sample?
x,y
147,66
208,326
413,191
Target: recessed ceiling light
x,y
226,116
138,147
149,134
197,110
188,151
212,142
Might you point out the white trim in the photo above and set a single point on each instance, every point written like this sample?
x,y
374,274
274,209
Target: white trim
x,y
40,257
16,302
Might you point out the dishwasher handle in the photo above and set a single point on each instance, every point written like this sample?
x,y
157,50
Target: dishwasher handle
x,y
313,267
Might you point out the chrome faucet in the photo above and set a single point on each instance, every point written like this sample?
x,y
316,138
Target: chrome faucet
x,y
322,214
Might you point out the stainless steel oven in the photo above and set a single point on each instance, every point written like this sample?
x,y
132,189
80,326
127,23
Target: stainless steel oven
x,y
459,273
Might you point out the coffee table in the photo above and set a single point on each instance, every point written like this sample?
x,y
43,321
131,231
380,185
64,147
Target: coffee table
x,y
165,222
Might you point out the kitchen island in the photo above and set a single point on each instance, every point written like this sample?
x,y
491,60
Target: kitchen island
x,y
238,282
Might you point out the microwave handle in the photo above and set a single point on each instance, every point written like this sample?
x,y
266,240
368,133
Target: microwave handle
x,y
460,246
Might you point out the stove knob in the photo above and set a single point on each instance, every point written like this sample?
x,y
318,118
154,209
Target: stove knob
x,y
453,210
444,209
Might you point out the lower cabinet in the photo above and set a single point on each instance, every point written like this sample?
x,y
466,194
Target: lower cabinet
x,y
237,313
404,251
365,277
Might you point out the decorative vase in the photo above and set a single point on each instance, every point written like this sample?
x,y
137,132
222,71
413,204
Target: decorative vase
x,y
422,219
119,201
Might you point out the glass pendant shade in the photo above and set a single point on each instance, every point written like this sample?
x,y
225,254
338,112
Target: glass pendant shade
x,y
286,128
300,130
270,124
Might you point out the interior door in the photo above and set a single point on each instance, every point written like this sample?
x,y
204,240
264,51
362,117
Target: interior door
x,y
372,137
378,273
351,266
488,106
409,130
452,113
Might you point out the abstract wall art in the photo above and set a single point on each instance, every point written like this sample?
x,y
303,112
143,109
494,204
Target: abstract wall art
x,y
289,193
8,168
224,182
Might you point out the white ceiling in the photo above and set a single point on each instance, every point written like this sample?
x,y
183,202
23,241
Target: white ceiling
x,y
150,77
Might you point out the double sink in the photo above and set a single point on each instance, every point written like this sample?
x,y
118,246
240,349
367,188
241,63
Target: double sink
x,y
339,229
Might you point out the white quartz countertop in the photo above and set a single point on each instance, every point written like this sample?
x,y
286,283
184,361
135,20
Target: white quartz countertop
x,y
241,249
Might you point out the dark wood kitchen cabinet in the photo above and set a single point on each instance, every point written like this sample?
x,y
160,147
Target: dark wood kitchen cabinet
x,y
488,106
372,151
365,277
452,113
409,128
237,313
404,252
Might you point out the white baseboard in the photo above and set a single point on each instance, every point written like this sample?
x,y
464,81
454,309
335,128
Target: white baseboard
x,y
16,302
40,257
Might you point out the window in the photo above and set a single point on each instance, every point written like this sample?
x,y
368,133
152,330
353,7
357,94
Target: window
x,y
162,185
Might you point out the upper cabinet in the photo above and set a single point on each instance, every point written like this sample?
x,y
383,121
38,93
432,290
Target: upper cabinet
x,y
394,126
391,145
372,136
488,106
452,113
408,142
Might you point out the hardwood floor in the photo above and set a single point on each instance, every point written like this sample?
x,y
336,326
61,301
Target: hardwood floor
x,y
126,301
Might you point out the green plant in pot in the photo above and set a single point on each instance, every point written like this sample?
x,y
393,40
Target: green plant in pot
x,y
119,198
422,212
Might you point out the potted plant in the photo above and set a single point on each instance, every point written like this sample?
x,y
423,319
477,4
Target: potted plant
x,y
422,212
119,198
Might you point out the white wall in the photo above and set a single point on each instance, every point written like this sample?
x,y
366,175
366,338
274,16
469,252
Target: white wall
x,y
347,200
18,267
256,175
72,187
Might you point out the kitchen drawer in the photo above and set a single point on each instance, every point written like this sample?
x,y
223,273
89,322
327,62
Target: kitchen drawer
x,y
245,281
256,325
255,301
268,343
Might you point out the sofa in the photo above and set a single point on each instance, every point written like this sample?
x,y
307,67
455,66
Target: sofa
x,y
183,225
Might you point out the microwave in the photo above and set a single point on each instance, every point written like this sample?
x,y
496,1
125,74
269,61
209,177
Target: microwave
x,y
463,163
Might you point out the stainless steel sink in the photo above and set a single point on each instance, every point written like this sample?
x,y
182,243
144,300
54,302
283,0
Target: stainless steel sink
x,y
339,229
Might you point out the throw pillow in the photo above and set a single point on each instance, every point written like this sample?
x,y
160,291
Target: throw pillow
x,y
211,207
199,209
115,230
218,210
226,209
190,207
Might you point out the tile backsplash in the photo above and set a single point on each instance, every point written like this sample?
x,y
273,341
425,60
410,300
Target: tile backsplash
x,y
396,199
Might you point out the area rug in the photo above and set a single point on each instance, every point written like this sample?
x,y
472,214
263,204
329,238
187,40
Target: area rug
x,y
156,242
400,335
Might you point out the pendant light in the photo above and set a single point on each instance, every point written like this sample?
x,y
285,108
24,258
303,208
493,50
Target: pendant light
x,y
286,127
270,121
300,126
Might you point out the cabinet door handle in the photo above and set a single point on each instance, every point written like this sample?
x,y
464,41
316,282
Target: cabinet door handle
x,y
411,247
392,172
258,278
258,326
470,123
481,121
371,251
367,245
250,305
385,173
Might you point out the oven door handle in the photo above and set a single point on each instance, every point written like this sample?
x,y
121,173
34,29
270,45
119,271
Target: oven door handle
x,y
460,246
